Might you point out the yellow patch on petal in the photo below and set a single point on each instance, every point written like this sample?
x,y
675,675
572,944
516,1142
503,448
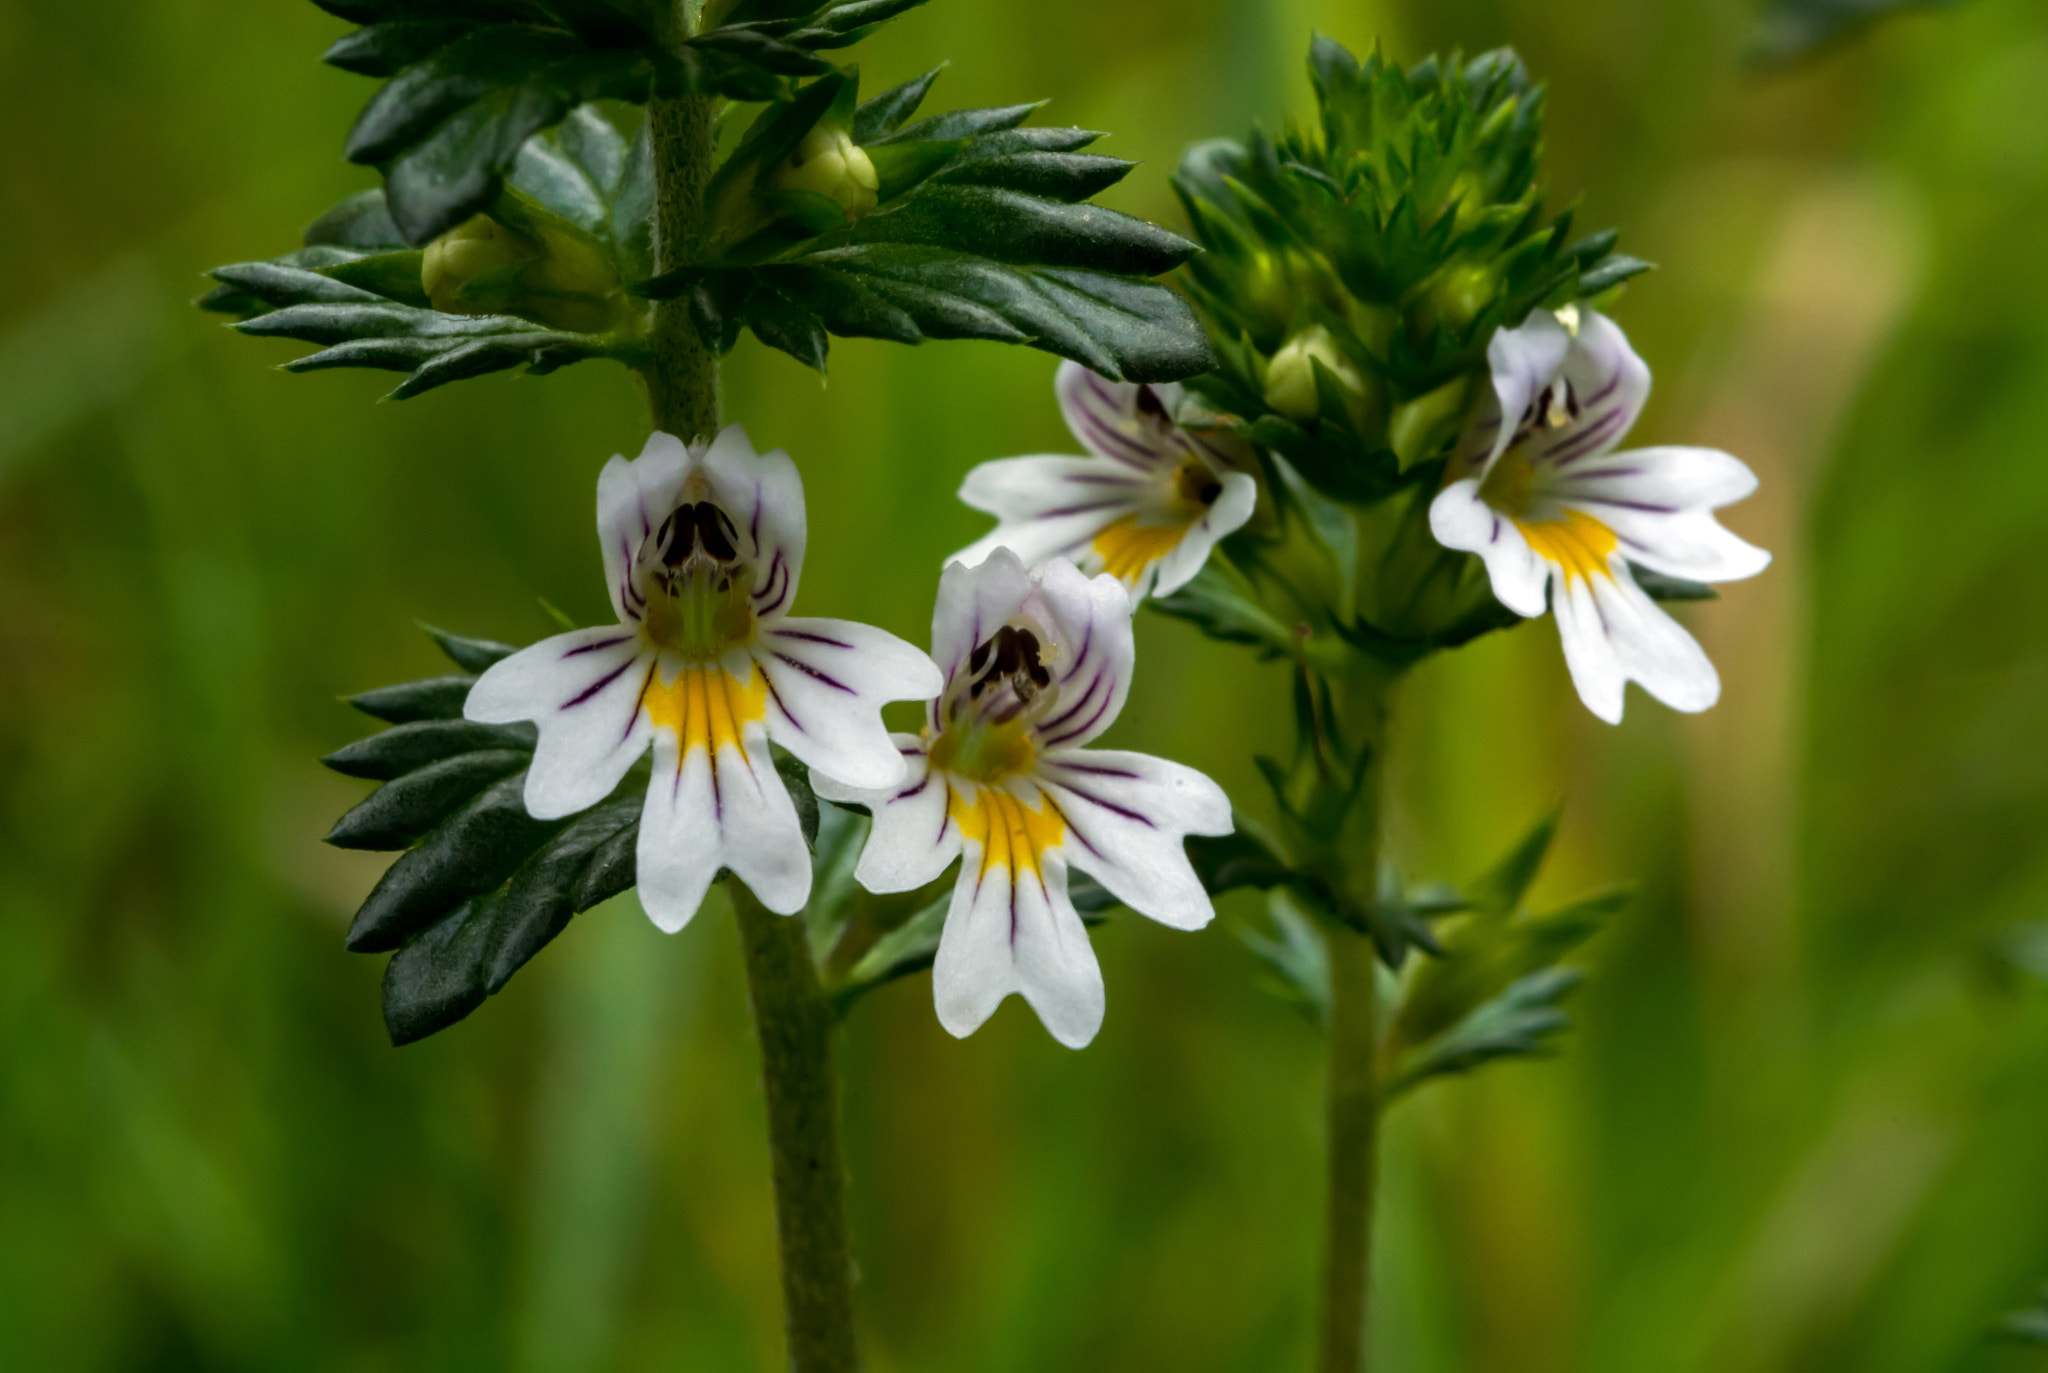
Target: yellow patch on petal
x,y
706,707
1577,545
1127,548
1011,834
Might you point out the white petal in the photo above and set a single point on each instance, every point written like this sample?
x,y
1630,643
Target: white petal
x,y
1127,817
1460,519
1523,362
1225,516
1091,619
1049,505
583,690
827,683
912,838
705,812
1613,633
1107,418
973,603
633,498
1610,384
1659,501
1006,936
764,497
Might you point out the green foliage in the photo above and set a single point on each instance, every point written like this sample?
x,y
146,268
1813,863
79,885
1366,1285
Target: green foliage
x,y
480,886
355,288
1408,225
1490,986
469,83
982,231
1791,29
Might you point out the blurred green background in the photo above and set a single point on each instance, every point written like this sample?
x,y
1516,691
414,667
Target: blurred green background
x,y
1803,1123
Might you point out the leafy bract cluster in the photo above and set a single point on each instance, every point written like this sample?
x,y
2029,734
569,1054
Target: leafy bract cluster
x,y
1399,231
540,249
1491,988
467,82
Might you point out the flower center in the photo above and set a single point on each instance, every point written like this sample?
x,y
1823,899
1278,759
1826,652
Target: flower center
x,y
987,715
698,602
1510,486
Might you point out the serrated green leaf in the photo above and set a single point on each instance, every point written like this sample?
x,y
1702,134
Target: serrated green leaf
x,y
1499,893
1611,272
405,809
885,113
395,276
432,698
1297,956
1519,1023
392,753
1223,607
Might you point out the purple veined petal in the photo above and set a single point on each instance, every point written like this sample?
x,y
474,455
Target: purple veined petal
x,y
1012,927
973,602
764,497
1104,416
582,689
828,681
1091,619
1660,503
718,805
1460,519
913,838
1226,515
1128,816
1612,633
632,500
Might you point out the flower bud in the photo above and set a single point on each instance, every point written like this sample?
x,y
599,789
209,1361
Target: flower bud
x,y
483,268
464,253
831,164
1291,375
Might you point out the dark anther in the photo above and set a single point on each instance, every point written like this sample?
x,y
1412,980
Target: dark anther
x,y
1039,676
1007,660
1150,404
976,659
1210,491
717,532
677,534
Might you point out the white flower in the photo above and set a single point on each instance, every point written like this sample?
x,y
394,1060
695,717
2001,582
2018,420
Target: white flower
x,y
702,549
1036,664
1549,505
1146,507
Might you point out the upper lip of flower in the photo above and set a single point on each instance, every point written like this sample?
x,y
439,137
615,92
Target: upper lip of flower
x,y
1147,505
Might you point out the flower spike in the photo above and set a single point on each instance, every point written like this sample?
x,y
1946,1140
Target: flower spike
x,y
703,546
1147,505
1036,663
1538,491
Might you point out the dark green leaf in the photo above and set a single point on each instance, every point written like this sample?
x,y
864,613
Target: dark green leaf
x,y
1663,588
1222,606
1499,893
403,810
1519,1023
382,49
433,698
885,113
1297,956
408,747
471,655
467,854
1615,269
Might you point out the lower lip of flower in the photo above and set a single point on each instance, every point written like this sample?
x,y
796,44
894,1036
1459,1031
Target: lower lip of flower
x,y
1011,834
984,752
702,611
1577,545
706,706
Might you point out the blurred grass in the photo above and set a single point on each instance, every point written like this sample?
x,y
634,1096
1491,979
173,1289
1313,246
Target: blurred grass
x,y
1800,1129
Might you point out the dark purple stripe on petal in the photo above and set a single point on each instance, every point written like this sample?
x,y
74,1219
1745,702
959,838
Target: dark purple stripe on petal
x,y
1096,770
1080,657
1047,726
908,792
776,697
810,638
1110,806
1647,507
1583,443
593,647
1603,393
598,685
810,671
1055,740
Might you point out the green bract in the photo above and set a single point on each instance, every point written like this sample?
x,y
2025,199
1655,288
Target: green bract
x,y
1391,239
981,230
471,80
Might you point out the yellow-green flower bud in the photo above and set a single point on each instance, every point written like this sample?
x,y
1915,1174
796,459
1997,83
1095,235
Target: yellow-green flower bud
x,y
1291,375
1419,428
464,253
831,164
483,268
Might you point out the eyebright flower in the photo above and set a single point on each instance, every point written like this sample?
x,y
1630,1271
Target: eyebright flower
x,y
1036,664
1146,507
703,546
1538,491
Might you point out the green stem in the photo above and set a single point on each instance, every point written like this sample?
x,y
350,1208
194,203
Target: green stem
x,y
1352,1110
795,1023
681,372
791,1014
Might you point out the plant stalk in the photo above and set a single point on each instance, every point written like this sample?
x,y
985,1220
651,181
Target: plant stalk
x,y
1352,1108
792,1017
795,1023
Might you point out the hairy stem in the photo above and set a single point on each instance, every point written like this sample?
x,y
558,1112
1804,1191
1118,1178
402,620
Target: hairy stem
x,y
795,1023
791,1015
1352,1110
682,373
